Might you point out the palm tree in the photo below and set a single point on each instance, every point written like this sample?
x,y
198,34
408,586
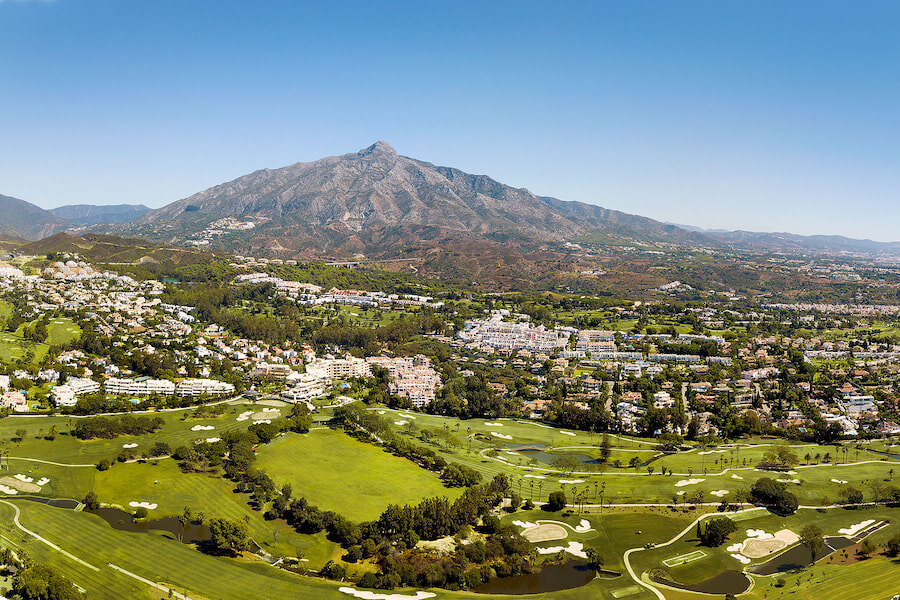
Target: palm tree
x,y
807,458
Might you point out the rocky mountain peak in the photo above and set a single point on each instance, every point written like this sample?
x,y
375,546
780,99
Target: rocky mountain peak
x,y
378,148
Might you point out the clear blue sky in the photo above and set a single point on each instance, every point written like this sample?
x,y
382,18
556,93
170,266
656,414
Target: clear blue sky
x,y
762,115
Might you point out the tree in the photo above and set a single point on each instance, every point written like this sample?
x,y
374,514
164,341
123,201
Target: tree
x,y
716,531
557,501
228,536
811,536
91,502
595,559
774,496
41,582
893,545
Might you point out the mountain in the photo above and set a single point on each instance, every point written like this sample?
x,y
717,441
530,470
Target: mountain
x,y
90,214
376,201
19,218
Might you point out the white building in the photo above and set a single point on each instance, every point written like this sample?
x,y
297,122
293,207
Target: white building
x,y
307,387
329,368
199,387
67,394
142,386
411,377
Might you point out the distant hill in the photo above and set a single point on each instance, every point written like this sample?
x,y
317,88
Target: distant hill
x,y
90,214
376,201
22,219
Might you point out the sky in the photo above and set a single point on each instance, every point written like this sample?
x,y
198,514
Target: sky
x,y
763,115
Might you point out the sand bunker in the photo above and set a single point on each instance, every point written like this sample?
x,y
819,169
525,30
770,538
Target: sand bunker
x,y
733,476
720,493
130,445
487,424
213,440
22,486
262,421
583,527
744,560
567,481
705,452
684,482
524,524
567,433
245,415
367,595
406,416
43,481
23,478
545,533
381,412
501,436
8,490
535,477
401,422
762,544
574,548
202,428
147,505
840,481
854,529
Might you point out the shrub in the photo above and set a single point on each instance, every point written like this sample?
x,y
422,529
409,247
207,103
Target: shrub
x,y
557,501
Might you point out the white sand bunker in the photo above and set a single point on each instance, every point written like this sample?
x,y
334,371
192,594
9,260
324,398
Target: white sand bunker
x,y
18,484
795,480
8,490
524,524
567,433
501,436
406,416
574,548
511,453
202,428
147,505
43,481
719,493
489,424
21,477
213,440
262,421
763,544
583,527
245,415
733,476
381,412
546,532
567,481
535,477
854,529
681,493
367,595
684,482
130,445
840,481
705,452
401,422
743,559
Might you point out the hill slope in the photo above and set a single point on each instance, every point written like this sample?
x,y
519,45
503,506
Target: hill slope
x,y
19,218
375,200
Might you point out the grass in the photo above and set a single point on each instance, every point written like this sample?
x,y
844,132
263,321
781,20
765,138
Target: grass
x,y
336,472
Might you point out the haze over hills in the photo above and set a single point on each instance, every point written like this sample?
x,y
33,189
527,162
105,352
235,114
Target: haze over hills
x,y
91,214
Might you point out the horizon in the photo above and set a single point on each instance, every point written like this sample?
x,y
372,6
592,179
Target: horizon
x,y
759,118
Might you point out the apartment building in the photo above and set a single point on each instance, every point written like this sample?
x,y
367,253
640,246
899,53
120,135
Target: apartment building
x,y
141,386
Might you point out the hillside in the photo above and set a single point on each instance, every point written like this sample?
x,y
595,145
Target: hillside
x,y
376,201
22,219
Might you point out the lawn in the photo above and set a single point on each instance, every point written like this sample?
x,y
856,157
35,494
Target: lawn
x,y
336,472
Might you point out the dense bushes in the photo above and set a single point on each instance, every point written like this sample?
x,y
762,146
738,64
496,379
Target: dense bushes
x,y
716,531
112,427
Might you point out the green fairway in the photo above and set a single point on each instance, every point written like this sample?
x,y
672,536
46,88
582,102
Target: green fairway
x,y
336,472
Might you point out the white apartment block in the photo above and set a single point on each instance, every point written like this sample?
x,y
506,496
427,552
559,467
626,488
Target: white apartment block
x,y
198,387
329,368
67,394
307,387
514,336
142,386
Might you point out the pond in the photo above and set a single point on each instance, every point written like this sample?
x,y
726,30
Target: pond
x,y
123,521
536,452
56,502
552,578
798,557
726,582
